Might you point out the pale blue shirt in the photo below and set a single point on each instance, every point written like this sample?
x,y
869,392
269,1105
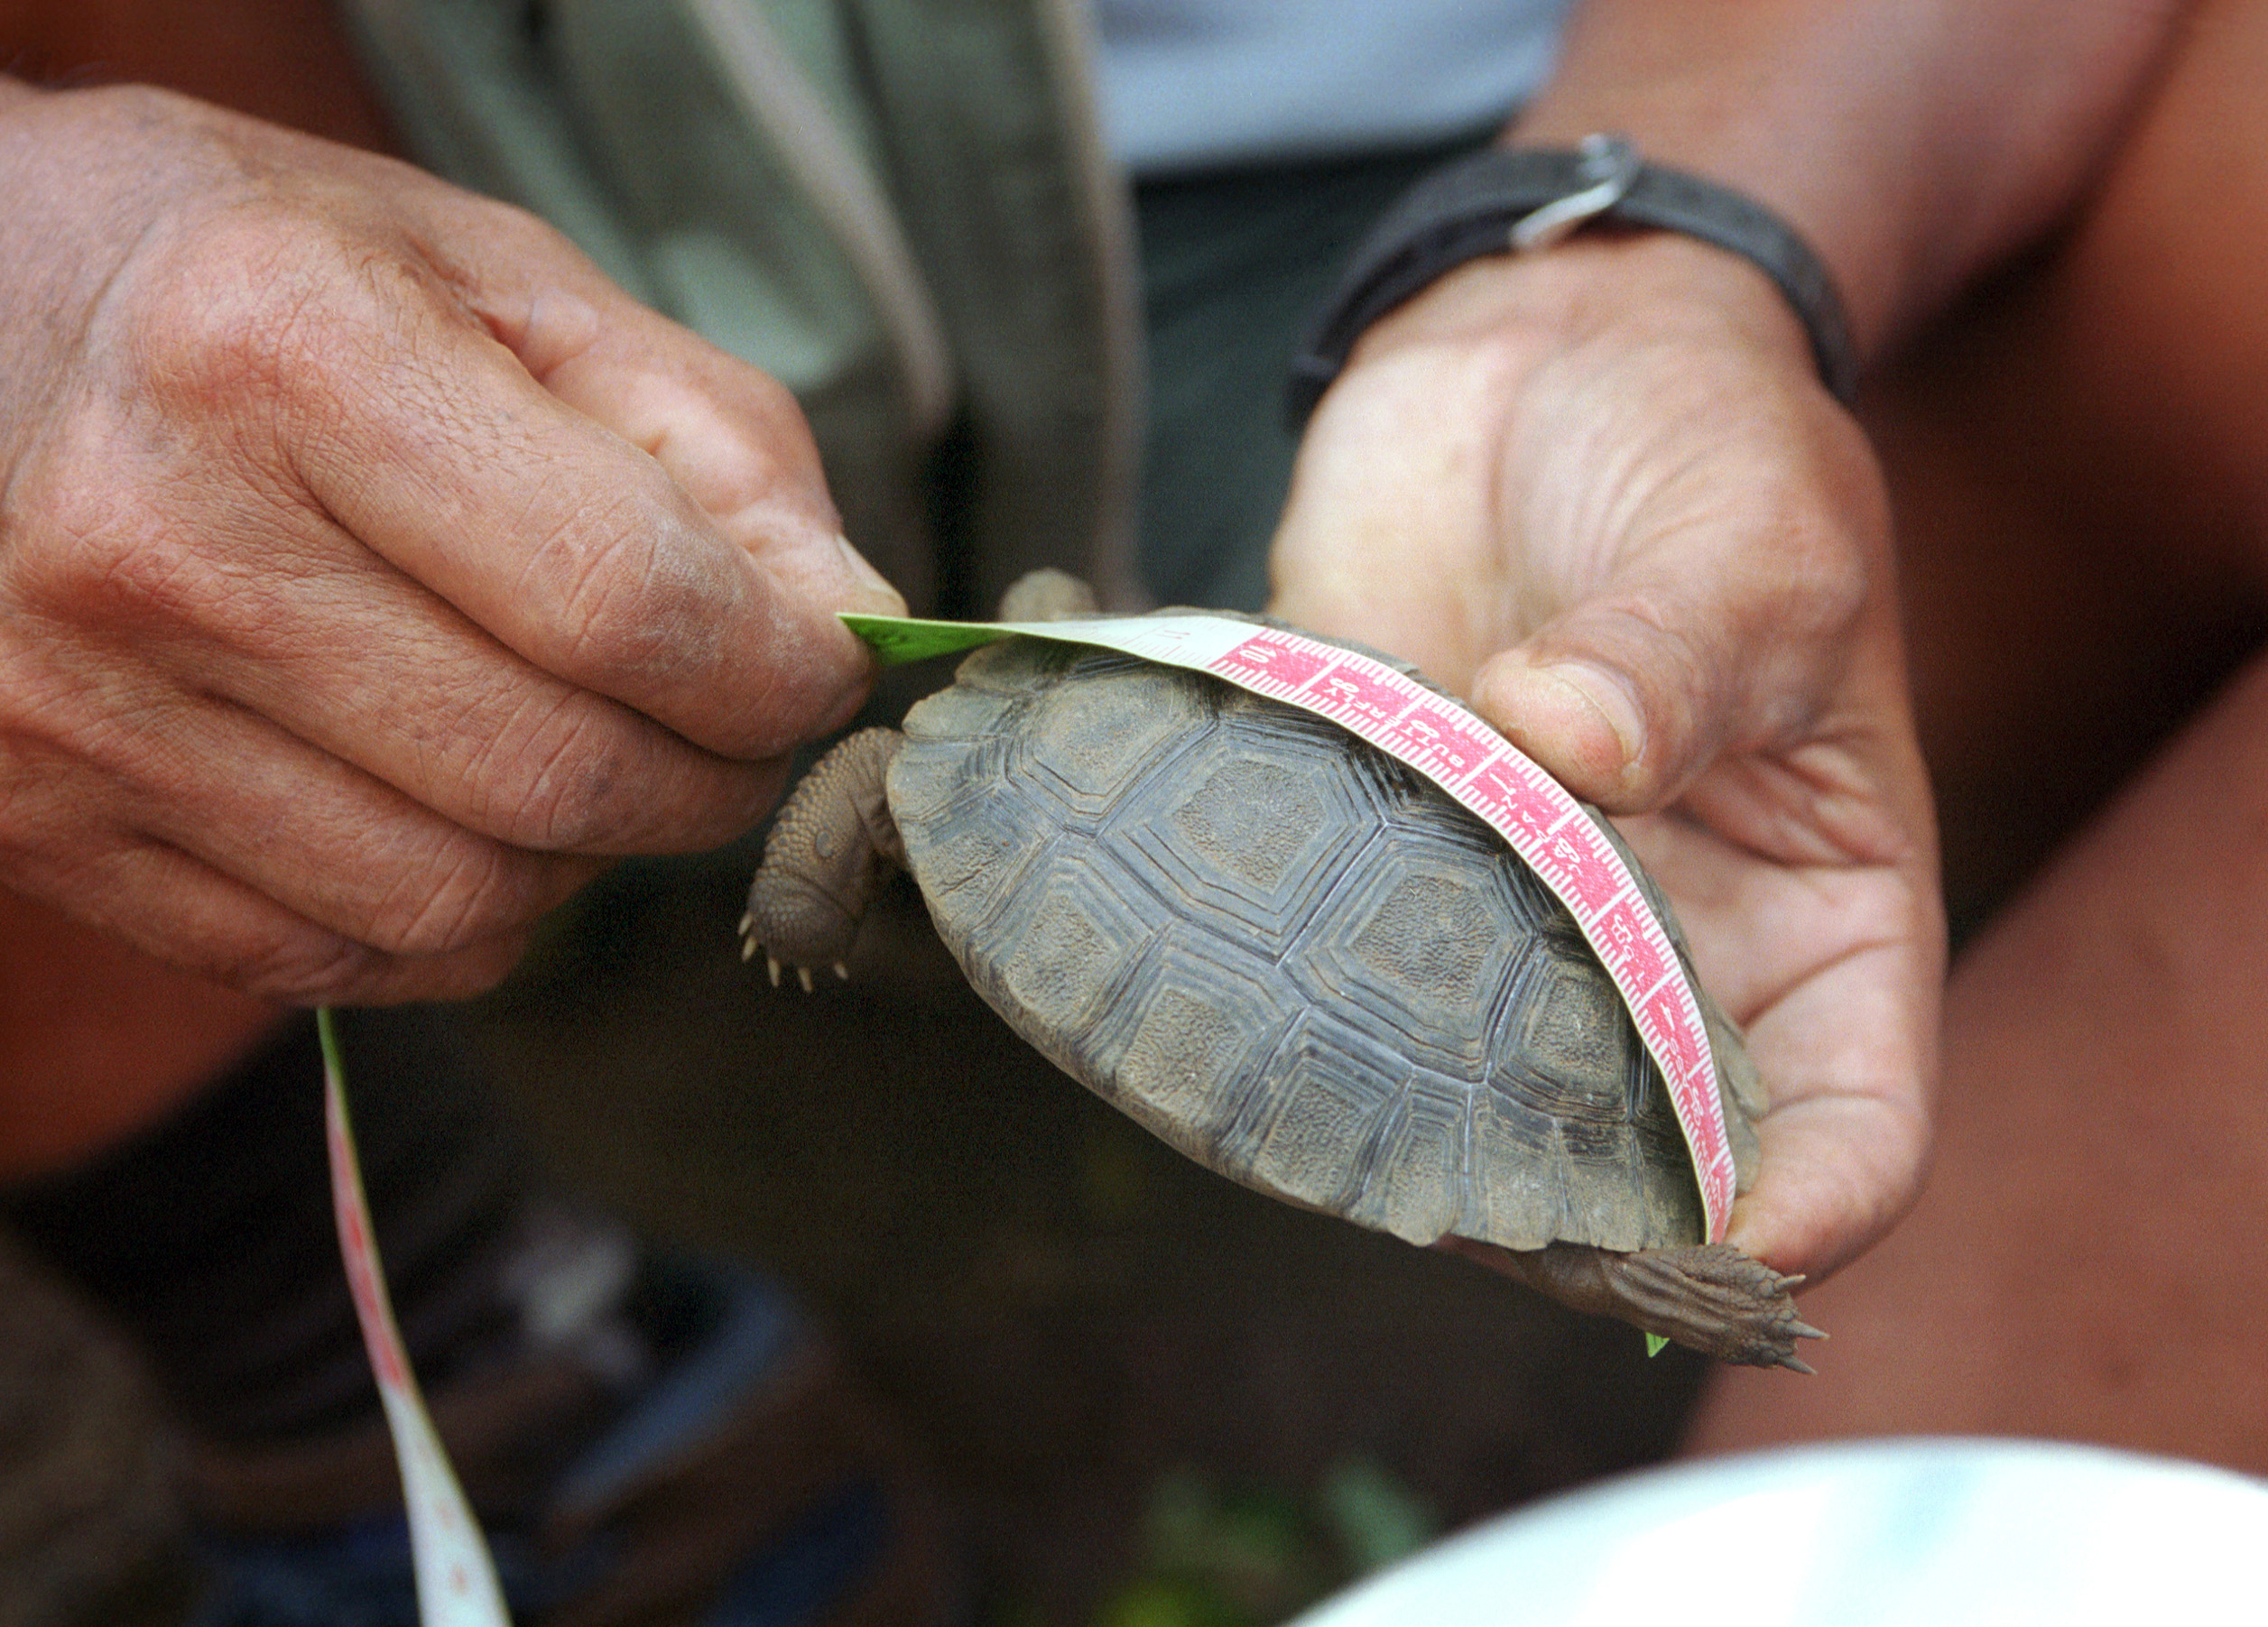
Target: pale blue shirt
x,y
1195,84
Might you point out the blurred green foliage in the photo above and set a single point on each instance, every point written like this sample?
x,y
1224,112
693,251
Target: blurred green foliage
x,y
1250,1557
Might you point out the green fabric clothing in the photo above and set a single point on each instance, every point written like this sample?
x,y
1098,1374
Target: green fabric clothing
x,y
903,210
898,207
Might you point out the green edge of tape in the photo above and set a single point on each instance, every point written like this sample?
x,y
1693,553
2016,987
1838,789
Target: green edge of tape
x,y
1656,1344
897,639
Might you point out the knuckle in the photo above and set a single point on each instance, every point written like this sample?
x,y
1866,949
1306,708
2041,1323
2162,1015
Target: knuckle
x,y
501,228
556,778
787,431
227,307
263,315
86,543
641,605
299,964
465,890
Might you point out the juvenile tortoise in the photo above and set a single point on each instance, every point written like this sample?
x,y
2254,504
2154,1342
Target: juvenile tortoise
x,y
1291,957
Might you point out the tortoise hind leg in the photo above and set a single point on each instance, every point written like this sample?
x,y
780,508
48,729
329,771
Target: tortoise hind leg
x,y
829,851
1710,1297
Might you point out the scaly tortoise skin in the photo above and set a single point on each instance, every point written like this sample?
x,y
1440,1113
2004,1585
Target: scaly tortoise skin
x,y
1289,956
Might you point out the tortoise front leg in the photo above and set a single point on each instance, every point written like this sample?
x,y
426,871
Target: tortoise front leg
x,y
1046,595
829,851
1709,1297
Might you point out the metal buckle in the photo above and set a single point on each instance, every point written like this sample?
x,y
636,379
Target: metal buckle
x,y
1609,164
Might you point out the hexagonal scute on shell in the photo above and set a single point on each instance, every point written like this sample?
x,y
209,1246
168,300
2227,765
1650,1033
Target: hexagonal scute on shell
x,y
1086,743
1181,1053
1565,1030
1424,937
1249,843
1056,957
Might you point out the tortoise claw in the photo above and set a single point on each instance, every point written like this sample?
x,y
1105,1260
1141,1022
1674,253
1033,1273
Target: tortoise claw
x,y
1710,1297
1722,1302
803,977
842,971
771,965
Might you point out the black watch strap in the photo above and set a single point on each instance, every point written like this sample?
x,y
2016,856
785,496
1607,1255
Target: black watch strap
x,y
1504,198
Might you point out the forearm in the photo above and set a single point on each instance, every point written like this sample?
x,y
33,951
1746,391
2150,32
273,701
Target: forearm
x,y
1914,144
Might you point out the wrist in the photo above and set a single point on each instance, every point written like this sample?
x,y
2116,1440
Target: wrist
x,y
1525,203
1645,287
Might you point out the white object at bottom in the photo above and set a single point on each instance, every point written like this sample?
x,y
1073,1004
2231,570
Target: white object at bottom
x,y
1945,1533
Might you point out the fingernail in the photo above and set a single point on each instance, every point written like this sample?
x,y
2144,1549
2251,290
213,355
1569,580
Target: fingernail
x,y
1606,694
875,596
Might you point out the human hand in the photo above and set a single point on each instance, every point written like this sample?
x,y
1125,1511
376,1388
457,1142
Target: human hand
x,y
373,570
1602,491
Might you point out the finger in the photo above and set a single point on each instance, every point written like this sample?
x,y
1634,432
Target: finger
x,y
358,661
1833,971
1726,620
730,435
180,910
427,439
1836,1173
1846,1056
324,841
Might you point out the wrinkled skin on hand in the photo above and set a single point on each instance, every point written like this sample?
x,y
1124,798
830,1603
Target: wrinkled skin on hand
x,y
1602,491
372,570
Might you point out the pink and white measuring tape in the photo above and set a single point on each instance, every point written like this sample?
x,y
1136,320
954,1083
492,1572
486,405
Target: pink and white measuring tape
x,y
1473,763
456,1578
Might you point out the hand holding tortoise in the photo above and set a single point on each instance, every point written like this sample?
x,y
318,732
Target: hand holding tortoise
x,y
1292,958
1603,493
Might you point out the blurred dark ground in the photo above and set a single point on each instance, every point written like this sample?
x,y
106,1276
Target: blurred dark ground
x,y
1152,1398
1062,1310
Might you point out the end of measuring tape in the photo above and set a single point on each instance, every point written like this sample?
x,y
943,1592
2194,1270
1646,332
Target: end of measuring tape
x,y
899,640
456,1577
1477,767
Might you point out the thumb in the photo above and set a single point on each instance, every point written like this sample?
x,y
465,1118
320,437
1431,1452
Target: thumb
x,y
1581,715
1629,696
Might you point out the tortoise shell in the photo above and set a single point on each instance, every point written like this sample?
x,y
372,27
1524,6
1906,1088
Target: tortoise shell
x,y
1288,955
